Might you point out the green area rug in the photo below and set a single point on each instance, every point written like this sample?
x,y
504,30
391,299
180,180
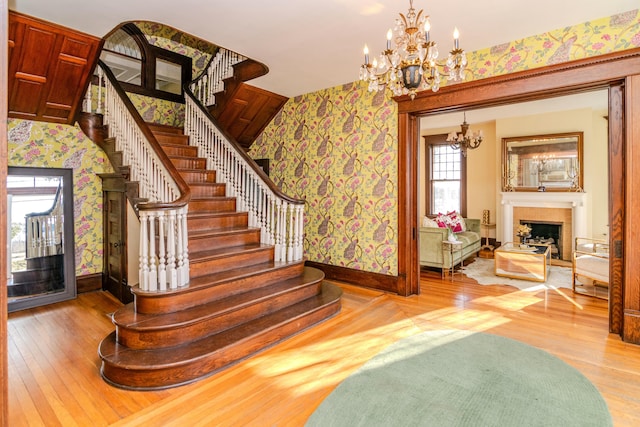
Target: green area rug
x,y
461,378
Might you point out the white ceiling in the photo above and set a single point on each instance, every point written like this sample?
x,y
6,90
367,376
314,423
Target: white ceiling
x,y
310,45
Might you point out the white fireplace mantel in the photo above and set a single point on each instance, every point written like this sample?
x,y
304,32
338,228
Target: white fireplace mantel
x,y
577,202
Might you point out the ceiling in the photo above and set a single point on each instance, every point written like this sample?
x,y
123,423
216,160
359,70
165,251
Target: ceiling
x,y
310,45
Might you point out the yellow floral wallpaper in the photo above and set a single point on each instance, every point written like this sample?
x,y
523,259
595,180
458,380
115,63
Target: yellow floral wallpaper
x,y
159,111
337,148
598,37
169,38
38,144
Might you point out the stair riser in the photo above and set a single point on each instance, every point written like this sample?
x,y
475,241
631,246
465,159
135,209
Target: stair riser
x,y
217,222
164,303
163,129
186,151
203,267
224,240
200,176
164,138
207,190
154,379
182,163
212,205
216,323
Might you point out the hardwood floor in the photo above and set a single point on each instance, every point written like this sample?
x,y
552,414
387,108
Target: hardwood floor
x,y
54,378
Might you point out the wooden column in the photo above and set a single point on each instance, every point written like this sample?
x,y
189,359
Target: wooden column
x,y
4,368
631,322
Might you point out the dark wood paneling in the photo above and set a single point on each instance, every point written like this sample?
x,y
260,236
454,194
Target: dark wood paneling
x,y
616,204
89,283
247,111
49,69
573,77
631,293
365,279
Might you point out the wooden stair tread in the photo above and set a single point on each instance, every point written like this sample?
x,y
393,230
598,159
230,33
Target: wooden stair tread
x,y
156,127
222,231
158,359
174,145
228,251
219,277
214,214
127,317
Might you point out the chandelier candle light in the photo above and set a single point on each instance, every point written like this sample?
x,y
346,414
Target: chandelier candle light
x,y
462,141
413,63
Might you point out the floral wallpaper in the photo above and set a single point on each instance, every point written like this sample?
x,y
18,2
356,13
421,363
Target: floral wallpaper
x,y
598,37
169,38
337,148
38,144
159,111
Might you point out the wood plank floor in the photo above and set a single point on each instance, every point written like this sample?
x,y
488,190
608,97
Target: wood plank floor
x,y
54,378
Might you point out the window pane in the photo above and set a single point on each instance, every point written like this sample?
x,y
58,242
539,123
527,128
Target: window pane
x,y
446,166
446,196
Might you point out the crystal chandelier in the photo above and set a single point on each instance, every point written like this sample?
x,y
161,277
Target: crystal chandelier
x,y
413,63
463,142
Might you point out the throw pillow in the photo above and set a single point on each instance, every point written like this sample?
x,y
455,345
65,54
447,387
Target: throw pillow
x,y
456,222
442,220
428,222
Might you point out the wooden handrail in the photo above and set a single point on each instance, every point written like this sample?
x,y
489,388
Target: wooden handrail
x,y
185,192
272,186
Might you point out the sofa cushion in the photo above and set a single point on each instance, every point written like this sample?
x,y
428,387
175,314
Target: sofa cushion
x,y
468,238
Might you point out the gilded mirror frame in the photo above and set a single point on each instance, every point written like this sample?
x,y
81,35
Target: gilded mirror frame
x,y
551,162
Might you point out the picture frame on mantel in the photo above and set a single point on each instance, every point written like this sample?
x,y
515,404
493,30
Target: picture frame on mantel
x,y
551,162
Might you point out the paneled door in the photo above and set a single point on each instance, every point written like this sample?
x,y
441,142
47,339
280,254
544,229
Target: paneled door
x,y
115,226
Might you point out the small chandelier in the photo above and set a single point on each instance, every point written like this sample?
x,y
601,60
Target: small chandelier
x,y
413,63
463,142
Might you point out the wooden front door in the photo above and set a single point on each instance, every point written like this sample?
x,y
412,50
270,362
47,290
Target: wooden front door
x,y
115,227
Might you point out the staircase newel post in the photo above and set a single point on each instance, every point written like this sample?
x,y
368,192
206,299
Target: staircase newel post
x,y
153,270
162,267
144,251
172,230
299,241
291,215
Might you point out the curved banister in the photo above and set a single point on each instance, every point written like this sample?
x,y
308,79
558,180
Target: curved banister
x,y
257,169
185,192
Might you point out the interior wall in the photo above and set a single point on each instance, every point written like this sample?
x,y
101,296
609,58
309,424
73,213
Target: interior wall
x,y
480,173
484,179
595,162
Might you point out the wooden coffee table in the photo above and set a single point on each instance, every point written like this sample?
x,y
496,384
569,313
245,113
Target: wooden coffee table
x,y
526,262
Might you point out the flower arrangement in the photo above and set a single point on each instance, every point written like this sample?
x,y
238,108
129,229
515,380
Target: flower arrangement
x,y
523,230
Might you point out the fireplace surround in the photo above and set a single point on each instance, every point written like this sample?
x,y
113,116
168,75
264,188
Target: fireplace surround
x,y
567,208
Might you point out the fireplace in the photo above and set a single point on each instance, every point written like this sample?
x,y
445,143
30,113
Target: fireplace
x,y
568,208
546,233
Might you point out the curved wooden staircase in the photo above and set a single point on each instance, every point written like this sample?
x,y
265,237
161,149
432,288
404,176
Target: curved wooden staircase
x,y
238,302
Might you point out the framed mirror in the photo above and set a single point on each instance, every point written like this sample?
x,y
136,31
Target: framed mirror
x,y
543,162
41,261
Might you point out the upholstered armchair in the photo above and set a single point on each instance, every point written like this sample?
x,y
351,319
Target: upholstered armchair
x,y
590,263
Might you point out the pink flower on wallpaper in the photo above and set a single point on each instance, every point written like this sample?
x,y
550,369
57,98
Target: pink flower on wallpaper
x,y
83,181
597,46
606,37
513,62
548,44
482,71
635,40
64,148
32,154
